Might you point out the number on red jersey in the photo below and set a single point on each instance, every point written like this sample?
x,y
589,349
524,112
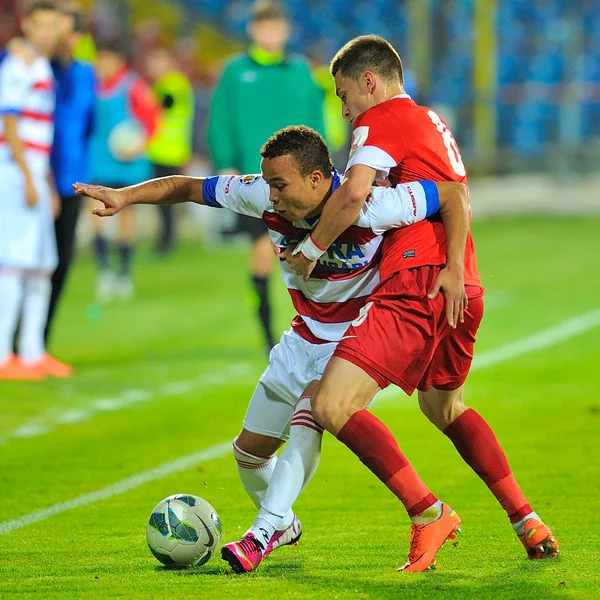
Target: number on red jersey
x,y
450,143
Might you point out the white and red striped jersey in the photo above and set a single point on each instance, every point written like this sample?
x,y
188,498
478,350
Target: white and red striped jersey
x,y
28,92
348,271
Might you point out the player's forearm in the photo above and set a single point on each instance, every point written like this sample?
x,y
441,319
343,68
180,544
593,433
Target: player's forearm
x,y
339,212
165,190
14,142
454,211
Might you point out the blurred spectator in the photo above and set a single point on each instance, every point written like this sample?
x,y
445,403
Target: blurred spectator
x,y
8,19
125,117
337,130
28,201
74,82
259,92
171,145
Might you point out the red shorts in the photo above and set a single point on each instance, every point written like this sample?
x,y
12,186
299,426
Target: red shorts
x,y
402,337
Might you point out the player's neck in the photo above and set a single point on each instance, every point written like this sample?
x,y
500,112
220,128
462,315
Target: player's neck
x,y
325,191
386,92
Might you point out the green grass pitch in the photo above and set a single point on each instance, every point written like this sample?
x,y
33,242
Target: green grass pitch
x,y
171,373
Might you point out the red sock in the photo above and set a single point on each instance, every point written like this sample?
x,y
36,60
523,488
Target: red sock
x,y
477,444
377,449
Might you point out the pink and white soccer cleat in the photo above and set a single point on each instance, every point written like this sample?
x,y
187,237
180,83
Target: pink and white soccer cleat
x,y
243,556
287,537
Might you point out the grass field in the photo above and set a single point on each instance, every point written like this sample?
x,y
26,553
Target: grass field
x,y
169,376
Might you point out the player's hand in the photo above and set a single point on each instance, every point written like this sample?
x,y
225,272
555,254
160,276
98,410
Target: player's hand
x,y
451,281
113,200
299,263
31,195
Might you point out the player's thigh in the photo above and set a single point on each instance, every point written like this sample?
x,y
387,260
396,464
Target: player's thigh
x,y
344,389
47,257
262,257
451,361
19,224
268,415
394,337
127,224
293,364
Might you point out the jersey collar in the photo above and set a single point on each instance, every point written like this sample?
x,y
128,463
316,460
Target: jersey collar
x,y
335,184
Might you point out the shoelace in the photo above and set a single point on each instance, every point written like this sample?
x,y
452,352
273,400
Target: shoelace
x,y
415,532
249,545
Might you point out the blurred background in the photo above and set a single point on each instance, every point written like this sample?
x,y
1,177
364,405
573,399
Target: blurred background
x,y
518,81
162,349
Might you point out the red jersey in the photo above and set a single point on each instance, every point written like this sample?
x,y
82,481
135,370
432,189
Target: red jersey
x,y
410,142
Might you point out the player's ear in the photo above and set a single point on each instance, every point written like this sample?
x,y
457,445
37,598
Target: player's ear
x,y
369,81
315,178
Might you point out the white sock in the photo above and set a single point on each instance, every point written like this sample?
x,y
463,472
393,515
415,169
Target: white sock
x,y
36,298
11,294
519,526
255,473
429,515
295,468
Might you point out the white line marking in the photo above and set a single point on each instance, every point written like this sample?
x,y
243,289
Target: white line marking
x,y
29,430
538,341
47,423
543,339
125,485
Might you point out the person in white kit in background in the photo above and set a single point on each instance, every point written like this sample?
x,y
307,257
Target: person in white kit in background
x,y
28,199
297,179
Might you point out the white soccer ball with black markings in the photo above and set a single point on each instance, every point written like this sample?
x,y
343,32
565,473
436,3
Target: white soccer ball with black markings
x,y
183,530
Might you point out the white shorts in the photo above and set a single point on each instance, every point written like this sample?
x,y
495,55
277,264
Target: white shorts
x,y
27,237
293,364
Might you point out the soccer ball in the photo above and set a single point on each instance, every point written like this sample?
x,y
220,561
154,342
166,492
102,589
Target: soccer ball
x,y
183,530
127,141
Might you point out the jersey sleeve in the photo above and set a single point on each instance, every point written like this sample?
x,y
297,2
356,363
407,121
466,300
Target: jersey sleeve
x,y
15,82
243,194
376,144
408,203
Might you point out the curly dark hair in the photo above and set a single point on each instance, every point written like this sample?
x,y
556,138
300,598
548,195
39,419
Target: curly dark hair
x,y
368,53
305,145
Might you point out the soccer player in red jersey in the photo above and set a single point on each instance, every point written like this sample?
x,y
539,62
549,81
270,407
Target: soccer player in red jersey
x,y
403,336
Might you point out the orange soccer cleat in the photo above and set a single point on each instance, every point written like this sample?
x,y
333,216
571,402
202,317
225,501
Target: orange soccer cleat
x,y
13,369
426,540
539,541
53,367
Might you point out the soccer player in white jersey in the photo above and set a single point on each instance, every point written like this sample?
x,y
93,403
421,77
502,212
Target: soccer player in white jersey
x,y
28,200
297,178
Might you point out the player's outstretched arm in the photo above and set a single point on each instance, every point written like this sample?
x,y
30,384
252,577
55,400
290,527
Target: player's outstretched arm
x,y
165,190
454,211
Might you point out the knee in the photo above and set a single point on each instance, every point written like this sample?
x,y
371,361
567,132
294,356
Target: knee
x,y
254,446
331,410
441,407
